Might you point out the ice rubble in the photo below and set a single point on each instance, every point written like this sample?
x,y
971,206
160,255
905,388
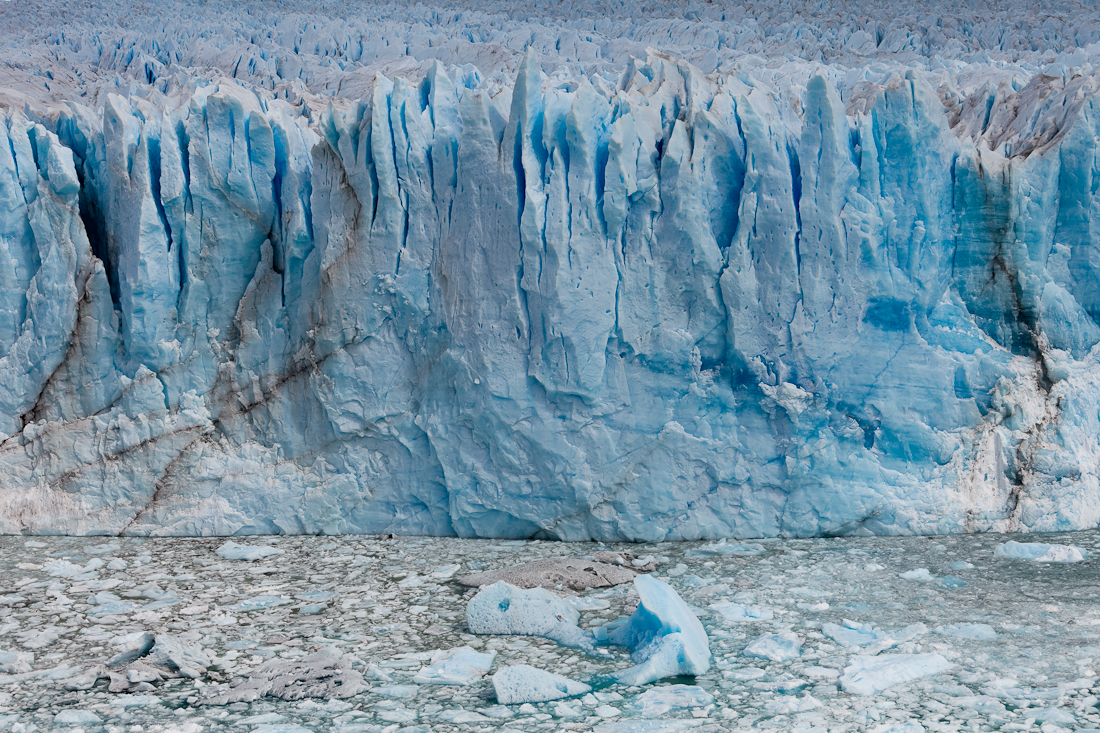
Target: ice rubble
x,y
820,277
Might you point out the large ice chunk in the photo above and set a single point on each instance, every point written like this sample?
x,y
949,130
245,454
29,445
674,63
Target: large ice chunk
x,y
522,683
666,637
505,609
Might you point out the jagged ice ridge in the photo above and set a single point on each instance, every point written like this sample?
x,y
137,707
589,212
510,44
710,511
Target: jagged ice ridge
x,y
618,297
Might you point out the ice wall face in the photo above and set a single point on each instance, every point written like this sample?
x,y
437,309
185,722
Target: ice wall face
x,y
673,306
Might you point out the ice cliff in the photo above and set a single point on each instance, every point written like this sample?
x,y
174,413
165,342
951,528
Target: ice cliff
x,y
668,302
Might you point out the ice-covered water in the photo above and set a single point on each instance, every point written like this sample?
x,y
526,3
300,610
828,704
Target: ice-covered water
x,y
1009,644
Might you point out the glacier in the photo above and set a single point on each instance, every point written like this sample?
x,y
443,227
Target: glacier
x,y
555,273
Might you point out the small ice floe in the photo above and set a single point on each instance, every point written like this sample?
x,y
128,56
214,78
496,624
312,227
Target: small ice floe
x,y
401,692
461,666
16,662
867,675
982,632
1037,552
1052,715
188,659
925,576
445,572
737,613
504,609
854,634
587,604
76,717
722,547
233,551
776,647
789,705
522,683
259,603
666,638
66,569
130,647
660,700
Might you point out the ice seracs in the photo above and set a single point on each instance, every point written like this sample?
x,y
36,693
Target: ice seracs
x,y
452,301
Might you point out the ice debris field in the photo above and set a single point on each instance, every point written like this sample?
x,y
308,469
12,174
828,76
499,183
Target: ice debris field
x,y
612,271
964,633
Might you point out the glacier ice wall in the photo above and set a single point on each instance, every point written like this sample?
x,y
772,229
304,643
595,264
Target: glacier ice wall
x,y
659,304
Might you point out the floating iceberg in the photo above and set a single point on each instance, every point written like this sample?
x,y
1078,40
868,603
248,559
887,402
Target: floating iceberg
x,y
666,638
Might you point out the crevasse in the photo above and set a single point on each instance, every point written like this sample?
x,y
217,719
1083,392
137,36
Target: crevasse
x,y
680,306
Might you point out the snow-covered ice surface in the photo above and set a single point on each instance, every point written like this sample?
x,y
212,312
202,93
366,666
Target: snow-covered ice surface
x,y
603,270
377,635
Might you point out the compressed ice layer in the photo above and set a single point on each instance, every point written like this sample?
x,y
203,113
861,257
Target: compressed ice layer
x,y
1038,552
647,300
666,637
501,608
522,683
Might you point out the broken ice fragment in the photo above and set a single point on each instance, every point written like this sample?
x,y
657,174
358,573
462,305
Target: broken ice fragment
x,y
660,700
462,666
666,638
16,662
738,613
983,632
130,647
190,660
522,683
776,647
260,602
